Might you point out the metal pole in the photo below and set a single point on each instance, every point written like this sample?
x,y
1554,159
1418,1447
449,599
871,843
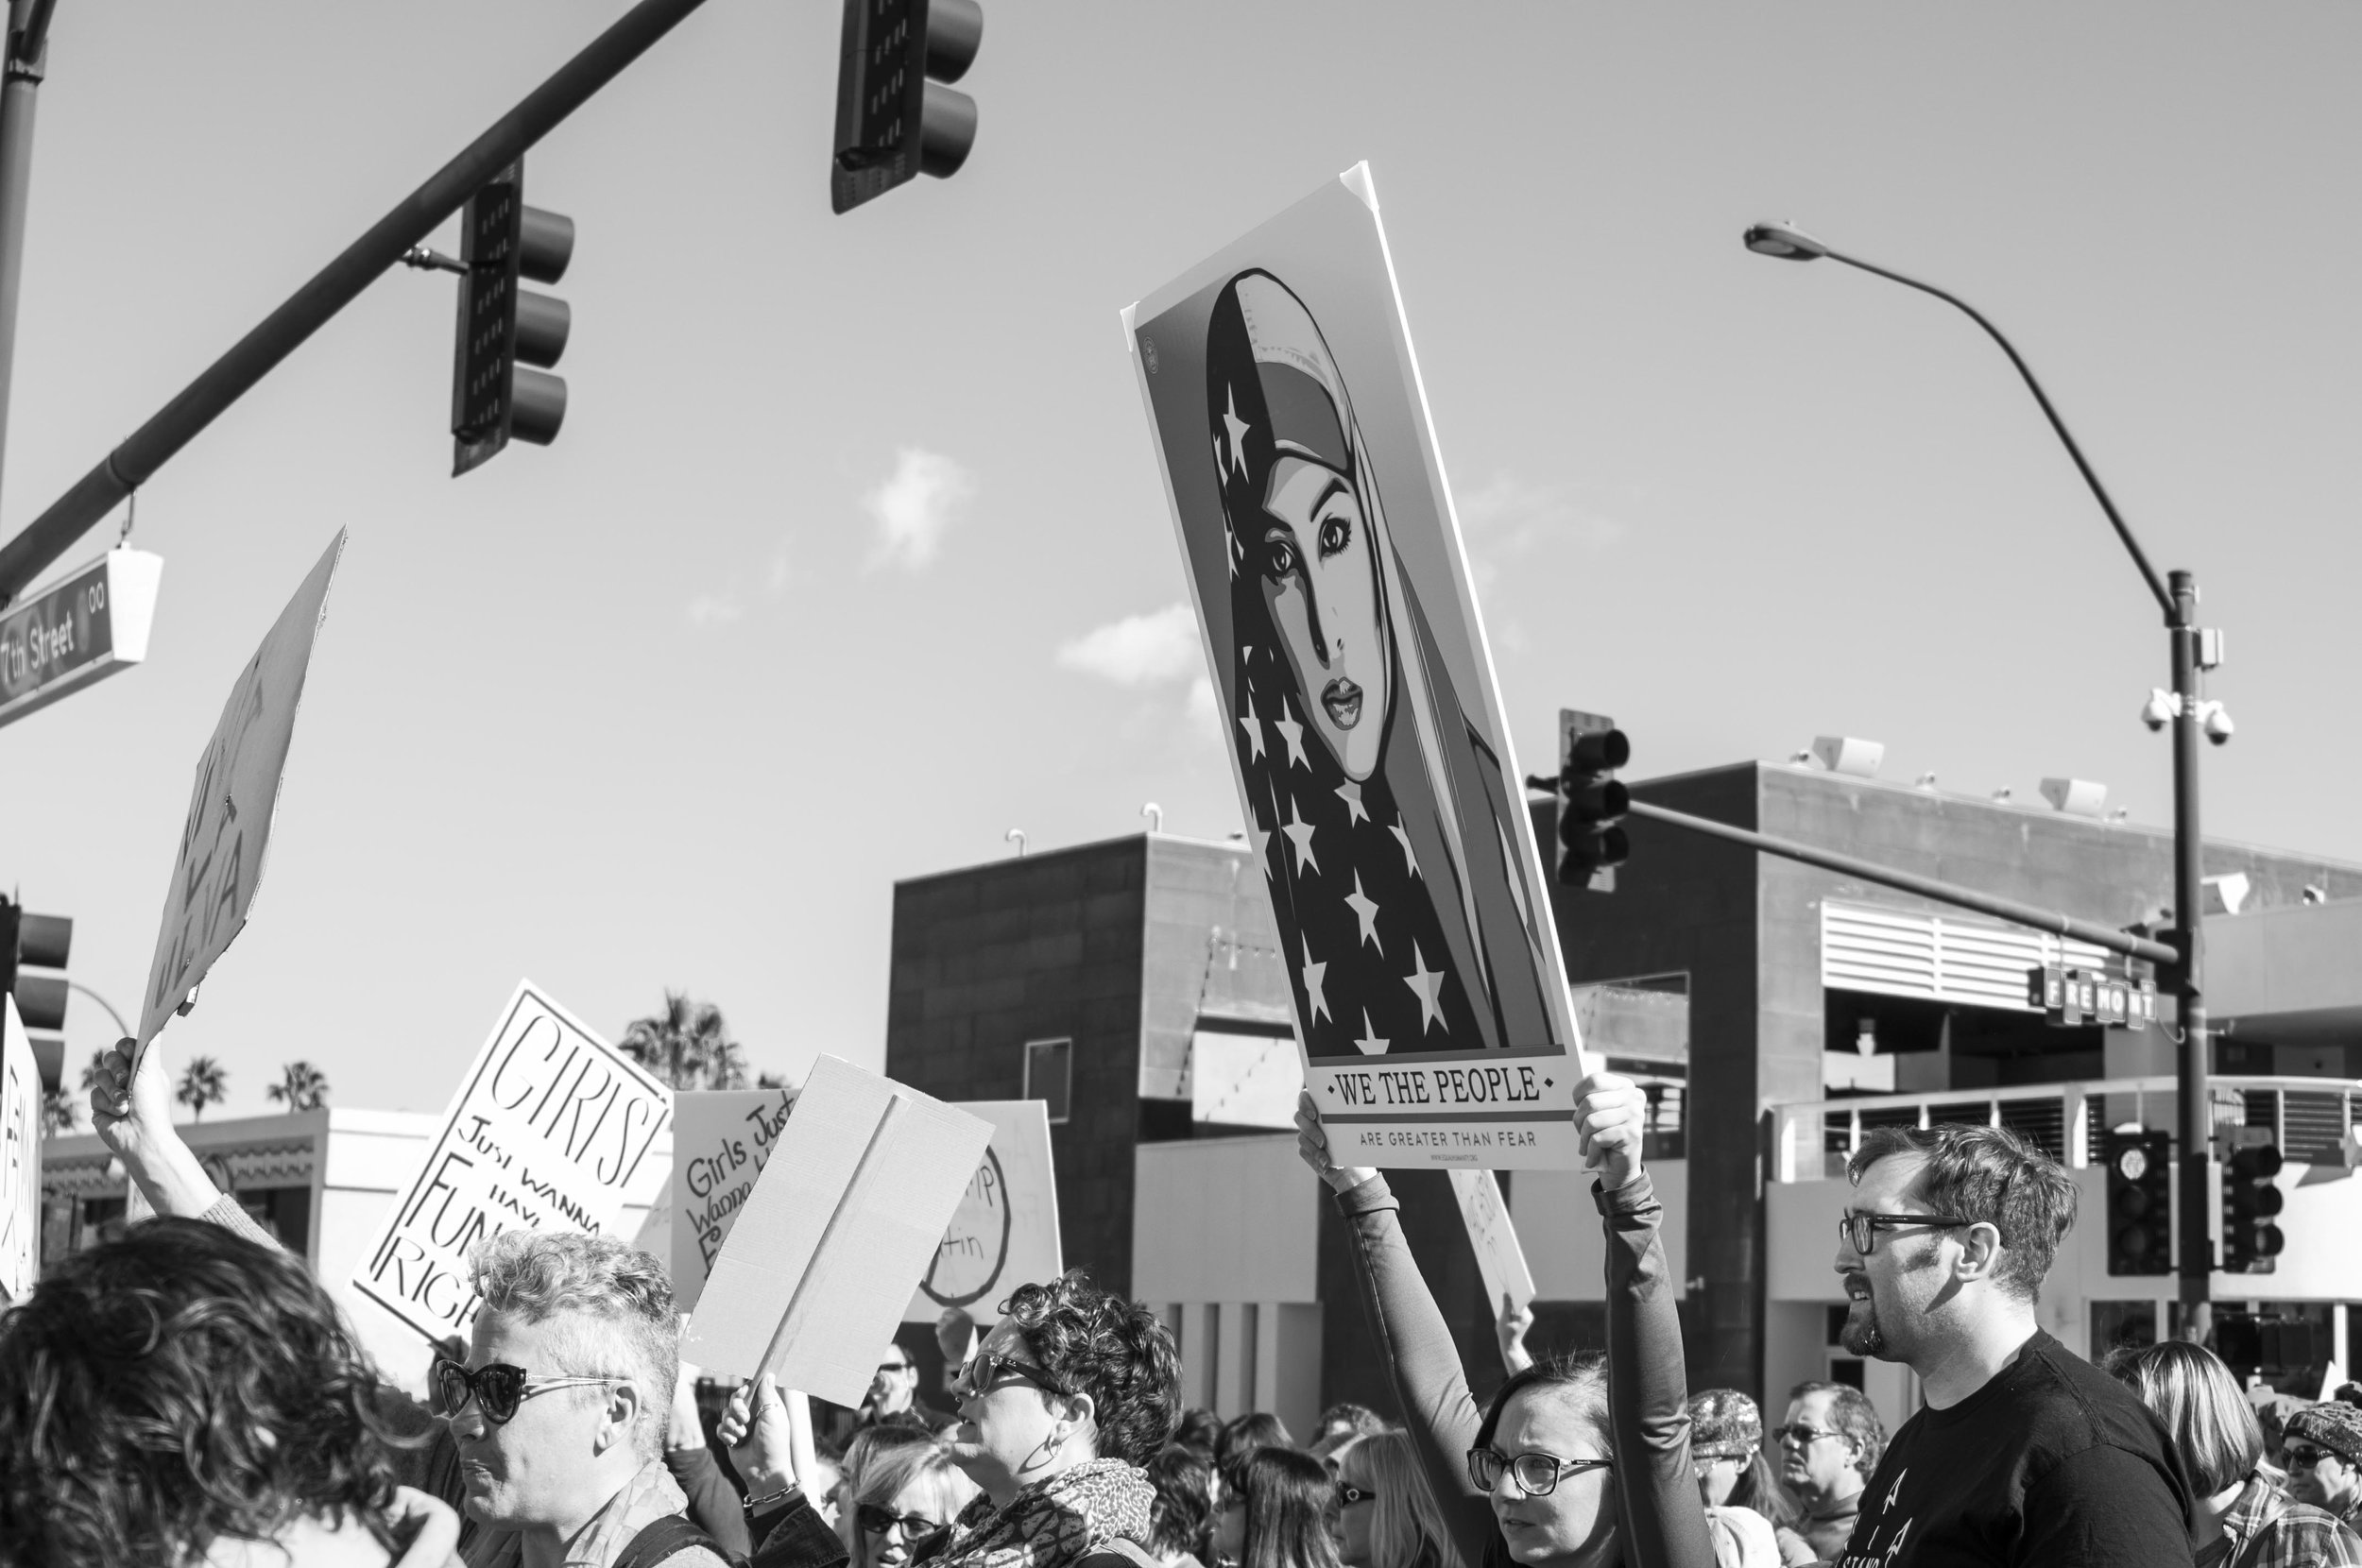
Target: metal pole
x,y
2196,1134
21,62
336,286
2010,909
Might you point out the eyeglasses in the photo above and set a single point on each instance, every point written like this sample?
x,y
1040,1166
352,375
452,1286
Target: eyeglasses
x,y
1803,1437
497,1387
1862,1230
987,1370
1537,1474
2305,1459
917,1528
896,1367
1348,1494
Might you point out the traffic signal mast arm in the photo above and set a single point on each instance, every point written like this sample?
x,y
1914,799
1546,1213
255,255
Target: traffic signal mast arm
x,y
1925,886
388,243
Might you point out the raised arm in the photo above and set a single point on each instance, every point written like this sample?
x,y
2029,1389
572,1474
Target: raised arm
x,y
1665,1521
132,1111
1421,1363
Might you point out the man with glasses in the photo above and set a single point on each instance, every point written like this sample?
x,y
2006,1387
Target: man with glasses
x,y
560,1408
894,1396
1831,1443
2025,1452
2323,1447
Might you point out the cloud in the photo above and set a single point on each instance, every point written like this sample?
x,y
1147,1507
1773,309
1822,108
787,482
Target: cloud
x,y
924,497
714,609
1511,517
1141,649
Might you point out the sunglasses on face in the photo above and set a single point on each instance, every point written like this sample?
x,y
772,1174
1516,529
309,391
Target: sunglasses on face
x,y
1862,1230
2305,1459
1348,1494
1537,1474
989,1370
1803,1437
497,1387
917,1528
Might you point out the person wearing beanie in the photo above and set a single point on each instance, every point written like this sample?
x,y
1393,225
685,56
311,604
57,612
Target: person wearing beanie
x,y
2323,1448
1751,1519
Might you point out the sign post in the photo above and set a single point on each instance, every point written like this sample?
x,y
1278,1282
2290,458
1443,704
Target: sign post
x,y
78,632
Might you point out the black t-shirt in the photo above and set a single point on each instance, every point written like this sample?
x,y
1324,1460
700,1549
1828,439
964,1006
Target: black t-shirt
x,y
2052,1461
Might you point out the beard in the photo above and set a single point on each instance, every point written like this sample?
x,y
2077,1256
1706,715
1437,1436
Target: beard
x,y
1862,1336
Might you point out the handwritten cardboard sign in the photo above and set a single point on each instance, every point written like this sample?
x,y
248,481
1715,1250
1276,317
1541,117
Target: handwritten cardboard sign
x,y
20,1157
547,1131
1005,1234
1386,811
813,1276
1500,1260
236,794
722,1138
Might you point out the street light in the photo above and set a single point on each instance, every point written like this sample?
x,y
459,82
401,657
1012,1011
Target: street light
x,y
2191,650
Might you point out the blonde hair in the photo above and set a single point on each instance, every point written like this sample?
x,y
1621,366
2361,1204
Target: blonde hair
x,y
1404,1520
2189,1389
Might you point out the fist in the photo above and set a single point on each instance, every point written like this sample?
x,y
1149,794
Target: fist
x,y
1611,1114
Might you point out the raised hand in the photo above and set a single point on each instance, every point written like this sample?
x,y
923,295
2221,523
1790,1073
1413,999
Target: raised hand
x,y
1312,1147
756,1430
1611,1114
132,1109
1510,1330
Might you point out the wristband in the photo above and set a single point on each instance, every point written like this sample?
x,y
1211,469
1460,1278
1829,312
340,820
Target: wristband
x,y
753,1505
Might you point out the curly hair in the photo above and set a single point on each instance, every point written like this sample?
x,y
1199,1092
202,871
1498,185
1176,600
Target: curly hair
x,y
1986,1175
177,1386
1114,1350
614,1306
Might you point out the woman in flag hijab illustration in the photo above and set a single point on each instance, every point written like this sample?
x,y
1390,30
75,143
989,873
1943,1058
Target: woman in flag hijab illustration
x,y
1377,804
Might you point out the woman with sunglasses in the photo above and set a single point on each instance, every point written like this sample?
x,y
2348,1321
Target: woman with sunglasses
x,y
903,1494
1567,1468
1389,1517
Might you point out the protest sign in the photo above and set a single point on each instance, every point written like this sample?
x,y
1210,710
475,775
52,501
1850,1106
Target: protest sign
x,y
722,1138
20,1157
546,1132
1371,747
1005,1234
813,1276
1500,1260
236,794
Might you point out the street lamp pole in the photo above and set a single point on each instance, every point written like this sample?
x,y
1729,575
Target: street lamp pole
x,y
2178,600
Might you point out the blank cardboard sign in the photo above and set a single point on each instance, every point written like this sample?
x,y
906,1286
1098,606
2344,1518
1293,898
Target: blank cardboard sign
x,y
815,1274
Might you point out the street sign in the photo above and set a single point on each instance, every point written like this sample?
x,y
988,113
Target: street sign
x,y
2073,997
80,631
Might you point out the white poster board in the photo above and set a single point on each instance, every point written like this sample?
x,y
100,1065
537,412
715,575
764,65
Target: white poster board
x,y
722,1138
546,1132
20,1158
236,794
1499,1259
1005,1234
814,1277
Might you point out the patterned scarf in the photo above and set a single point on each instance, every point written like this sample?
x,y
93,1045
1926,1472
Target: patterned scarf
x,y
1053,1524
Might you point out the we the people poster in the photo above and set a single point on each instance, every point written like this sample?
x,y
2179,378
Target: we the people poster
x,y
1372,753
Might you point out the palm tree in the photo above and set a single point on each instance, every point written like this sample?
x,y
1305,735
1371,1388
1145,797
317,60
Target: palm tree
x,y
688,1046
203,1082
57,1111
302,1085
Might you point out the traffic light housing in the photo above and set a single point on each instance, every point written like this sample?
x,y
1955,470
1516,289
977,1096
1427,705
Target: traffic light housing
x,y
505,328
30,944
895,116
2250,1203
1592,802
2140,1203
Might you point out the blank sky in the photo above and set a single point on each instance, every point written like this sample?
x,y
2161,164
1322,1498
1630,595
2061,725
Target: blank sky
x,y
669,703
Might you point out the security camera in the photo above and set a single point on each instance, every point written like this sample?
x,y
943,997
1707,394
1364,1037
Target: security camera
x,y
2160,709
2218,724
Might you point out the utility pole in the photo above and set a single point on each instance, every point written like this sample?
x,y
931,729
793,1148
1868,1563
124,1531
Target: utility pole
x,y
2196,1251
23,56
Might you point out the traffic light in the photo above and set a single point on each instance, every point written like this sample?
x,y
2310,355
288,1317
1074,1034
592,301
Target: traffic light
x,y
1591,804
29,943
895,118
2140,1203
505,328
2250,1202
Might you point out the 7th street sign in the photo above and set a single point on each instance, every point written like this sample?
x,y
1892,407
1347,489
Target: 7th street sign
x,y
81,630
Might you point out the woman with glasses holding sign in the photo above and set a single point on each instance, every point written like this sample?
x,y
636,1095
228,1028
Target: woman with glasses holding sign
x,y
1569,1467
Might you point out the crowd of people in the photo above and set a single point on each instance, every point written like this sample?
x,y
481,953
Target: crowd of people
x,y
189,1394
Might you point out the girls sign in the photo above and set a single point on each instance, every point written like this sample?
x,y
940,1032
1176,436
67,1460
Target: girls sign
x,y
1372,752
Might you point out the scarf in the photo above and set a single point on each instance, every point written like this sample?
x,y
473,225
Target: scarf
x,y
1053,1524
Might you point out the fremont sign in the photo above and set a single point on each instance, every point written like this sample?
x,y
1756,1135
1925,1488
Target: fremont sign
x,y
78,632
